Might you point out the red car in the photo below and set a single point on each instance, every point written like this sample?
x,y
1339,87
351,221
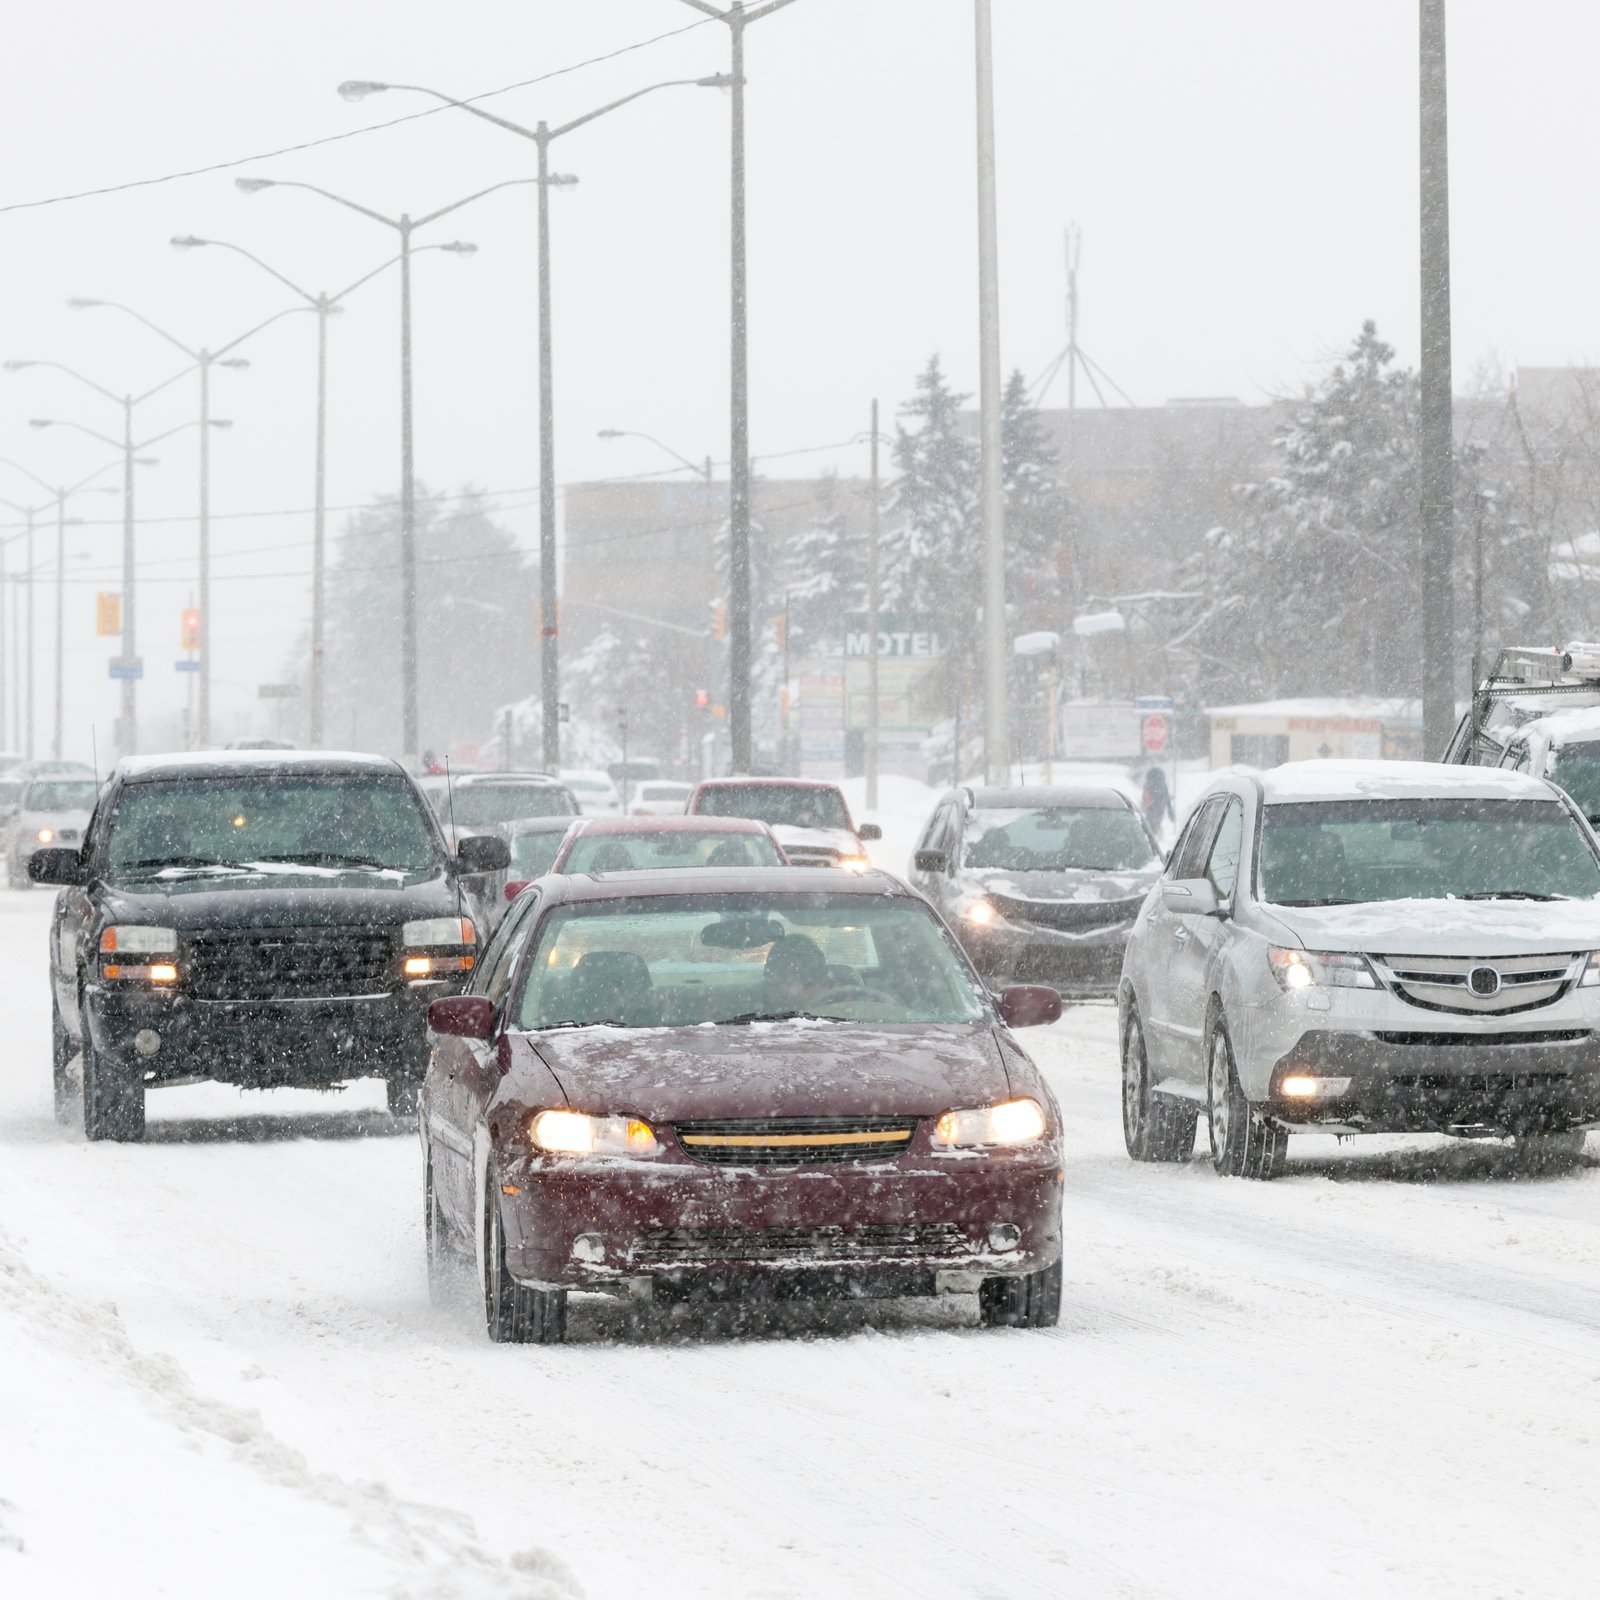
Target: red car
x,y
713,1084
810,819
634,844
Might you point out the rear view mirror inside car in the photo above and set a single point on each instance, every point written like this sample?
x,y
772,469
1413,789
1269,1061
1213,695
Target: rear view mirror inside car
x,y
741,933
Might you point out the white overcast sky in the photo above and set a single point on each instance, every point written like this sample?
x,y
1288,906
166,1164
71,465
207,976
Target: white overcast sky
x,y
1244,173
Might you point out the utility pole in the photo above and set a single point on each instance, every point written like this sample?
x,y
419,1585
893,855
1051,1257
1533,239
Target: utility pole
x,y
1435,477
872,622
1074,245
27,734
997,757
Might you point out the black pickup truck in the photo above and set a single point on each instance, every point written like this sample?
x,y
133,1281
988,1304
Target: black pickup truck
x,y
260,918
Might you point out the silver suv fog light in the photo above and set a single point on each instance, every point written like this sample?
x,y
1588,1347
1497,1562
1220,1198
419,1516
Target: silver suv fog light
x,y
1301,1086
147,1041
1004,1236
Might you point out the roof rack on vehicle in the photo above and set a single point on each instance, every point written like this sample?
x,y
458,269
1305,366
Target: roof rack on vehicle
x,y
1522,664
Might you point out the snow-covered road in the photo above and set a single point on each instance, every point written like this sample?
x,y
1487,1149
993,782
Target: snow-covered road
x,y
219,1370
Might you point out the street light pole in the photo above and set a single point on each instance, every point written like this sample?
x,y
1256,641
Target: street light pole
x,y
872,623
549,598
738,18
997,756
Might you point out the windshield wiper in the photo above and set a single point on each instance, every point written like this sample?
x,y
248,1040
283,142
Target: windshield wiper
x,y
1329,900
1513,894
328,858
591,1022
158,863
783,1016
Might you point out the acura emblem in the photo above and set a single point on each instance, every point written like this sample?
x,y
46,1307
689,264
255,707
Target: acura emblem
x,y
1484,982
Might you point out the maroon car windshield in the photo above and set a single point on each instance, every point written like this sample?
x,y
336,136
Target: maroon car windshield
x,y
779,805
681,961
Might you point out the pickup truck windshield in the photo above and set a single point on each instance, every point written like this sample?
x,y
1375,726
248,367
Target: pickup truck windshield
x,y
331,820
1338,852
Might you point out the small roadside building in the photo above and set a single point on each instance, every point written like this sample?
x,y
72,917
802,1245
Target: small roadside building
x,y
1274,731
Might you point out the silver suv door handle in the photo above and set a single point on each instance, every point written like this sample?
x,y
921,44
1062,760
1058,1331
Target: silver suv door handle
x,y
1180,933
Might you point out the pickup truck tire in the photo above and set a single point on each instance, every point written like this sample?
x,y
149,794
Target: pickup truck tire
x,y
113,1098
61,1084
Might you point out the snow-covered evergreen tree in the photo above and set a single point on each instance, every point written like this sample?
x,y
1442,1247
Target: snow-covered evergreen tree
x,y
1037,513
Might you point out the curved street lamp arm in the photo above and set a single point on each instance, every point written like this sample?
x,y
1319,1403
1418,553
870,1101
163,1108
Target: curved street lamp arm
x,y
766,10
698,468
433,216
589,116
338,200
710,11
288,283
165,383
27,472
466,105
72,372
277,316
367,277
155,328
78,427
83,483
144,444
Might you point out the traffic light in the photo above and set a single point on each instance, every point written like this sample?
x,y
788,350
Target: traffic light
x,y
107,615
780,630
702,699
719,620
189,630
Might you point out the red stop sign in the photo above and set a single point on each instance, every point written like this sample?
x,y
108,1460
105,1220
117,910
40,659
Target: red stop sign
x,y
1155,733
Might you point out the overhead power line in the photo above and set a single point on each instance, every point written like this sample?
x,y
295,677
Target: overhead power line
x,y
350,133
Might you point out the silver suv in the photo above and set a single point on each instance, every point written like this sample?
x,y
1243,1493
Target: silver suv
x,y
1366,947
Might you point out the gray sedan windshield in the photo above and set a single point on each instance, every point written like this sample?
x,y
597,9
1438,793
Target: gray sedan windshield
x,y
1352,851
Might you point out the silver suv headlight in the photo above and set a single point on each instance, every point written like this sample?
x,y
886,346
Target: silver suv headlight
x,y
1306,969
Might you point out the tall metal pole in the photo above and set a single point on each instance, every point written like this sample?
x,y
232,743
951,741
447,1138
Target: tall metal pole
x,y
549,616
997,756
129,742
27,738
1435,477
319,514
61,585
739,451
203,735
872,622
7,730
409,737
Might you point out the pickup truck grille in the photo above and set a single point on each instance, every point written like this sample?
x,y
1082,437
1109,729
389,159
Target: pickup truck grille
x,y
1478,985
288,963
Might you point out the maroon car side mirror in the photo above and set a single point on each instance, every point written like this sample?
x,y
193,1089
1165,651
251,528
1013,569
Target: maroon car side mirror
x,y
1023,1005
465,1016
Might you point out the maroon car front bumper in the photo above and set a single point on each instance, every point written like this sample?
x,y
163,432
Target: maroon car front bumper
x,y
918,1225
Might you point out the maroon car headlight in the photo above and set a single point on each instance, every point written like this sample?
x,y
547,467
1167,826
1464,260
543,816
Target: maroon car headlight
x,y
573,1133
1012,1122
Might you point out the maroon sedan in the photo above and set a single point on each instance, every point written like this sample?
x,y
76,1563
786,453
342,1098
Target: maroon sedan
x,y
732,1083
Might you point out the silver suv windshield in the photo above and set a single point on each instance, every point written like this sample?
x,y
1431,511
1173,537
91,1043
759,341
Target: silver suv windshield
x,y
1348,852
1098,838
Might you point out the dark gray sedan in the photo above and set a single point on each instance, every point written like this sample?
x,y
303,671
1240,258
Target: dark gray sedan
x,y
1041,885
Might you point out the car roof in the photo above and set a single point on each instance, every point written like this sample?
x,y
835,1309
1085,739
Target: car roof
x,y
665,883
540,825
695,824
1574,725
250,763
1082,795
1396,780
768,783
477,778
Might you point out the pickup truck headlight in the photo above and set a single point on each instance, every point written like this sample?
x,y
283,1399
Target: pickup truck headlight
x,y
1305,969
124,940
1010,1123
572,1133
454,934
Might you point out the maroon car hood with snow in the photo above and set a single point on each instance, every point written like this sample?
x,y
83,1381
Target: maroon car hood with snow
x,y
783,1069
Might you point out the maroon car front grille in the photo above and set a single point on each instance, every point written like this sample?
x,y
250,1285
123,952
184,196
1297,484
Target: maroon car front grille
x,y
795,1141
868,1241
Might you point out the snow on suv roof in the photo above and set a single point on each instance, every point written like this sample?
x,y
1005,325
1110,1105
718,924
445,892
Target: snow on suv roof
x,y
1395,780
1577,725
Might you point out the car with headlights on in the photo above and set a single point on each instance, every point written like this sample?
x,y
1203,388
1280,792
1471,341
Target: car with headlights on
x,y
260,918
736,1084
1366,947
809,819
1041,885
50,811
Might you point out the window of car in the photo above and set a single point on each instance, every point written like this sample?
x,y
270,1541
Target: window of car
x,y
533,854
649,851
1222,866
484,805
730,958
1189,855
317,819
1058,838
499,963
777,804
60,794
1576,767
1349,852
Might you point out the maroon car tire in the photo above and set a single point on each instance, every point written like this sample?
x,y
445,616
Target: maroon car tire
x,y
1028,1300
515,1313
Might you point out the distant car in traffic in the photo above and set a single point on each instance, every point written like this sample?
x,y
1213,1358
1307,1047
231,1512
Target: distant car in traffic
x,y
49,811
715,1084
259,918
1040,885
660,798
649,844
534,845
1366,947
810,819
490,802
597,794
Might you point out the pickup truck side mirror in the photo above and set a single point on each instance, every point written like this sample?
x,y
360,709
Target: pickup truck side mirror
x,y
869,833
1193,897
931,861
64,867
482,852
